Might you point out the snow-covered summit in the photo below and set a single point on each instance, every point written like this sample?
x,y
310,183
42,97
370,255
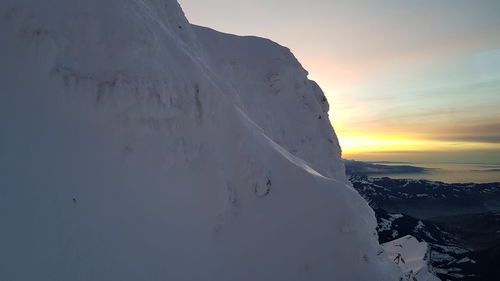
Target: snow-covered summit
x,y
272,87
135,146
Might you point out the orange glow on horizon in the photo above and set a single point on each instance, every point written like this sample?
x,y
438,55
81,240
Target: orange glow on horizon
x,y
357,144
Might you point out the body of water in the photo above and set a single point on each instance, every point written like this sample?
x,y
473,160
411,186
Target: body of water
x,y
449,173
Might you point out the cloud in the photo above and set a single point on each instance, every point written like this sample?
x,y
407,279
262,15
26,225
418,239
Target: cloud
x,y
480,133
475,139
363,168
483,156
490,170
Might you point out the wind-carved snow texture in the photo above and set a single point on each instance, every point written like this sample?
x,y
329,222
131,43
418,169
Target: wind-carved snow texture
x,y
135,146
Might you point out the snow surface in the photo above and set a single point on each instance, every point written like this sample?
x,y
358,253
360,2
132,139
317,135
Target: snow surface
x,y
410,255
135,146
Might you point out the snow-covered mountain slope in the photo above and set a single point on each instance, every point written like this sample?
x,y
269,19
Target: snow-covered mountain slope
x,y
410,255
135,146
445,255
462,247
428,199
274,90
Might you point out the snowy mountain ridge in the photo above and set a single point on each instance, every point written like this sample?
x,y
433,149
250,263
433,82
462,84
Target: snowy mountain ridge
x,y
136,146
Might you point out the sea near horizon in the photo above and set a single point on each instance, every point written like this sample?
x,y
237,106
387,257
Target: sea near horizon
x,y
449,173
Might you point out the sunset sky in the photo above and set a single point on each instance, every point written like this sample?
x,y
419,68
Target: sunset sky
x,y
412,80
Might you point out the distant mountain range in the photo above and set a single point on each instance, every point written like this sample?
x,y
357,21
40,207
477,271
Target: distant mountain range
x,y
461,222
428,199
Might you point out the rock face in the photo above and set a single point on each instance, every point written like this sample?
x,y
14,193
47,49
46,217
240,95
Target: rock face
x,y
135,146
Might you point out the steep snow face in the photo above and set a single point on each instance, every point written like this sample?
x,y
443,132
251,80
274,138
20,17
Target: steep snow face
x,y
137,147
274,90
